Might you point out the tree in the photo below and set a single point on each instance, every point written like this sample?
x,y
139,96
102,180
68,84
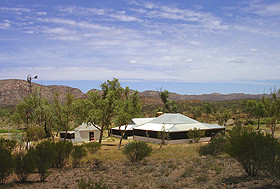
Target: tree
x,y
25,110
7,161
170,106
251,149
163,135
24,165
257,109
33,110
272,107
222,118
99,109
129,107
207,109
63,113
197,111
195,134
43,157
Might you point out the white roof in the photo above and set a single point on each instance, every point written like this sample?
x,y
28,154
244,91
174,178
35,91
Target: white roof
x,y
135,122
140,121
175,123
86,127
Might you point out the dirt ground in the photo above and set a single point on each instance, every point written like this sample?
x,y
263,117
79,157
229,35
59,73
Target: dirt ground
x,y
172,166
190,172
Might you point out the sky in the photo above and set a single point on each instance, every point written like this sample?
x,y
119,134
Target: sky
x,y
184,46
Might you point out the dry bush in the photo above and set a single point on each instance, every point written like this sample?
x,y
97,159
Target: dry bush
x,y
136,151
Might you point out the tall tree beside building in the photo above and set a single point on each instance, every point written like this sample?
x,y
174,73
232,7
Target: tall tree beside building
x,y
169,105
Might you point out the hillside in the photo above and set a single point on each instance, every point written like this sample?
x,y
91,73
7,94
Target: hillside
x,y
203,97
14,90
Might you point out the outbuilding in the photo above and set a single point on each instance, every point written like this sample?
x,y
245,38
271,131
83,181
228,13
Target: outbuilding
x,y
177,127
83,133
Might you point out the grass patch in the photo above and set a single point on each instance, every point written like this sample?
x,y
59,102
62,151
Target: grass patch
x,y
176,151
11,131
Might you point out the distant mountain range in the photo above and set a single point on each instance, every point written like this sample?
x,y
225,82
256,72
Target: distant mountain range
x,y
14,90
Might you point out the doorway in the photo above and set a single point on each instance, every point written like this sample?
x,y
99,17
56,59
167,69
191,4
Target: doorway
x,y
91,136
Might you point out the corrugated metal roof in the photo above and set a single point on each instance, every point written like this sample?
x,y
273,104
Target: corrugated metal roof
x,y
135,122
140,121
86,127
169,118
175,123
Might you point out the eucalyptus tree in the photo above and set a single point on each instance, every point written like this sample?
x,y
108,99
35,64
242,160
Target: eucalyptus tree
x,y
100,108
259,111
170,105
63,112
197,111
272,107
222,118
207,107
31,111
128,107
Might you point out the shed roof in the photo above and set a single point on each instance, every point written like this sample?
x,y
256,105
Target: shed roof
x,y
86,127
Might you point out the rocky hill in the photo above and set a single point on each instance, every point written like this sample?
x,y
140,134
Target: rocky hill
x,y
14,90
204,97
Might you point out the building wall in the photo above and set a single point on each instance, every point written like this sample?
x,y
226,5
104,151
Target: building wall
x,y
83,136
173,135
158,141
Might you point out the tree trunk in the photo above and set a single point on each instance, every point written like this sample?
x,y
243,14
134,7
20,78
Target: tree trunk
x,y
122,135
51,131
258,124
101,134
109,131
274,127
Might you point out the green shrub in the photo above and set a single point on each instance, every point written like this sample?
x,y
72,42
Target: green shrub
x,y
272,162
82,184
6,163
24,165
44,157
136,151
249,148
215,147
92,147
7,144
78,153
195,134
202,178
62,151
19,137
35,133
187,173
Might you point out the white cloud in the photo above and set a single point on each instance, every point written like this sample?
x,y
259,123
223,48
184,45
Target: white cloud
x,y
125,18
41,13
81,24
5,26
253,50
169,43
263,8
83,10
58,30
132,61
12,9
189,60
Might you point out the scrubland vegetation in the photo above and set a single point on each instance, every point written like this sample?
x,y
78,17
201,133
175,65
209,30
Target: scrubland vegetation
x,y
247,155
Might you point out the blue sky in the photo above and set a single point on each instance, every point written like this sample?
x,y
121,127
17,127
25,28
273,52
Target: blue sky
x,y
189,47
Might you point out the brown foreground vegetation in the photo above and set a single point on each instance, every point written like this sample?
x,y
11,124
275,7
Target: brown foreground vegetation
x,y
172,166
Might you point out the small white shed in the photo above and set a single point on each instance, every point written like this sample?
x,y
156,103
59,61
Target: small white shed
x,y
83,133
